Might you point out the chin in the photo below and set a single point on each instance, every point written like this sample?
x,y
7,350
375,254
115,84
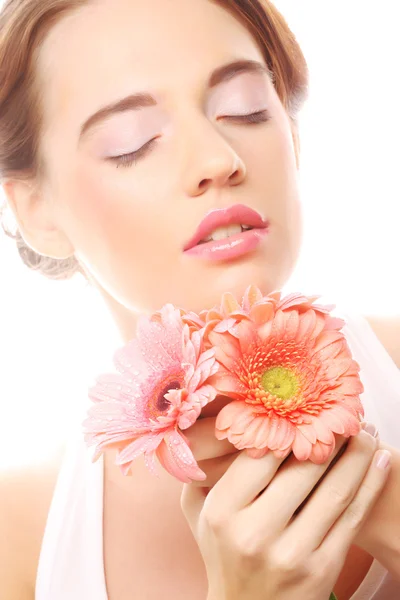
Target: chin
x,y
206,289
237,278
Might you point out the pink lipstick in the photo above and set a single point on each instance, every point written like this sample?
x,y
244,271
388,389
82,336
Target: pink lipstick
x,y
253,229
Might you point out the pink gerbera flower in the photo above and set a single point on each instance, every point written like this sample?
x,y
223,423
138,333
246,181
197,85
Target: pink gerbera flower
x,y
160,389
289,369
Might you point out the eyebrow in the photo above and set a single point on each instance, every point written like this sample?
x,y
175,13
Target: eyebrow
x,y
143,99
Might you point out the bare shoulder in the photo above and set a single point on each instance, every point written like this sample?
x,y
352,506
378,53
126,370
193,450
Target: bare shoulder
x,y
25,498
387,330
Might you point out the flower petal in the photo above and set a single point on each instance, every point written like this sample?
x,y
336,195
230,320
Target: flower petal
x,y
309,432
205,394
255,434
302,447
333,421
257,453
292,324
274,422
326,338
306,326
228,414
225,325
116,417
321,452
143,444
261,431
241,421
251,296
262,312
282,436
264,332
176,457
323,432
296,300
229,304
227,384
338,368
282,453
350,421
349,386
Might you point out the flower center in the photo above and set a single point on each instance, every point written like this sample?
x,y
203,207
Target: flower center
x,y
280,382
162,403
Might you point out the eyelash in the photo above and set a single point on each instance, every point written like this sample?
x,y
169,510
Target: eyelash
x,y
128,160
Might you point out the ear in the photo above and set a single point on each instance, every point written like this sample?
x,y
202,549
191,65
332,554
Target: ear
x,y
35,220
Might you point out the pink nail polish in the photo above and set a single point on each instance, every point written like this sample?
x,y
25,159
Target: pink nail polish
x,y
370,428
382,459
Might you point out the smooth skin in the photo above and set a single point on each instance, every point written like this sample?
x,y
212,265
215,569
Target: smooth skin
x,y
127,226
253,545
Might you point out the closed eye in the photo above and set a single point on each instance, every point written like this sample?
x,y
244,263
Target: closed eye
x,y
262,116
127,160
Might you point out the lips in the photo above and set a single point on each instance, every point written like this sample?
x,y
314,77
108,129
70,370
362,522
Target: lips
x,y
236,214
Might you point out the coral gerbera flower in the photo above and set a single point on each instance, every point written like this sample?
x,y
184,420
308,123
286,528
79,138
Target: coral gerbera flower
x,y
254,306
160,389
291,375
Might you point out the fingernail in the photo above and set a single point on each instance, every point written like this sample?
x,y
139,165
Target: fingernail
x,y
382,459
370,428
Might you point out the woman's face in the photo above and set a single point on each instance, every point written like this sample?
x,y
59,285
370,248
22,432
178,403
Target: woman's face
x,y
129,223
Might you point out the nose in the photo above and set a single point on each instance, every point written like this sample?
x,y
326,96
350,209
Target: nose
x,y
210,160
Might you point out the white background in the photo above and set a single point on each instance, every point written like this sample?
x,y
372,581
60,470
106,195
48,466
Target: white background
x,y
56,336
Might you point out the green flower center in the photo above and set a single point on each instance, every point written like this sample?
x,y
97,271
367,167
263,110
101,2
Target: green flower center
x,y
280,382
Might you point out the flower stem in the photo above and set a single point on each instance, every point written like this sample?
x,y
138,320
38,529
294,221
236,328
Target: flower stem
x,y
332,597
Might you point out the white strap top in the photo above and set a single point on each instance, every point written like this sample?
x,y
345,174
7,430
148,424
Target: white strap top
x,y
71,560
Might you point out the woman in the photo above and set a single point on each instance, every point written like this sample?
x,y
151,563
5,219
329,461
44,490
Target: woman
x,y
123,123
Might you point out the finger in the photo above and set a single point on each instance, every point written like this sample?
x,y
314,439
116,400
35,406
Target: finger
x,y
215,468
342,445
334,494
203,443
244,480
192,502
289,489
347,527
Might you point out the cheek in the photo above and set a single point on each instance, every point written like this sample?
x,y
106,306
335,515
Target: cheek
x,y
125,233
111,215
271,159
286,170
276,174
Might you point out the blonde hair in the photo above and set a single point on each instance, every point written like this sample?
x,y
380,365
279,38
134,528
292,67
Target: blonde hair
x,y
24,25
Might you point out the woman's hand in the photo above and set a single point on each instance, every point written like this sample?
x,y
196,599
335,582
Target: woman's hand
x,y
253,543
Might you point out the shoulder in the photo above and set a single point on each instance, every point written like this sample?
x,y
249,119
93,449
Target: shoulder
x,y
25,498
387,330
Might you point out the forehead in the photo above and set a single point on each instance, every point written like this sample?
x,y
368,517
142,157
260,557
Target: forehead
x,y
110,48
